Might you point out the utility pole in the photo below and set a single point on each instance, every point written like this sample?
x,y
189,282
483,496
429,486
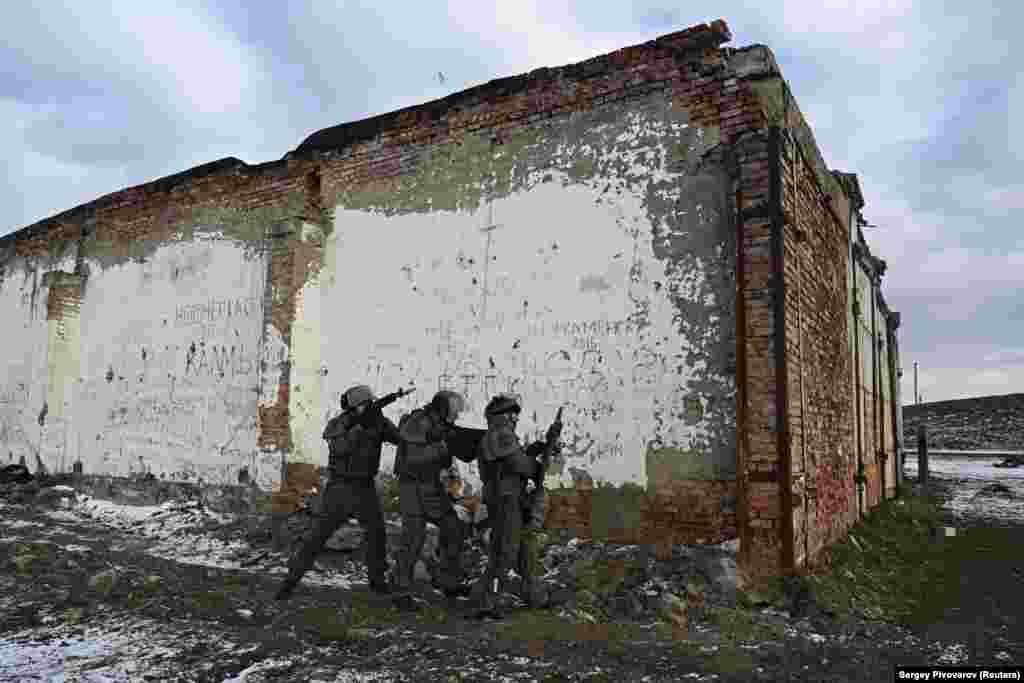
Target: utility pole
x,y
917,396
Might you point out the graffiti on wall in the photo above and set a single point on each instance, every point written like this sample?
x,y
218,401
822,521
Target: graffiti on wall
x,y
15,427
590,366
217,310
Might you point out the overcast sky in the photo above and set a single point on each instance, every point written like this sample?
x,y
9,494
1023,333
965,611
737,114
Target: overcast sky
x,y
916,98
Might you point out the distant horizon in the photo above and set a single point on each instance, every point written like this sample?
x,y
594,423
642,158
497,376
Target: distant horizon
x,y
965,398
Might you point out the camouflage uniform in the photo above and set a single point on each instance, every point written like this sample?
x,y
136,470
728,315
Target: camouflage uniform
x,y
355,445
506,466
421,458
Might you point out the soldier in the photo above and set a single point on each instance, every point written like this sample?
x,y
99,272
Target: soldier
x,y
506,467
422,456
355,438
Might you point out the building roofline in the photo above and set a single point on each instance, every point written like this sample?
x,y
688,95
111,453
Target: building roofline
x,y
346,134
337,137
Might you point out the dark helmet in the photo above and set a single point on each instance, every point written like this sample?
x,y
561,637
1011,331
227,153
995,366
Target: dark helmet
x,y
448,404
503,403
355,396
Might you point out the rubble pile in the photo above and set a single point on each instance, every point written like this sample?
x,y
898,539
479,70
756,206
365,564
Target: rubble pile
x,y
18,485
587,580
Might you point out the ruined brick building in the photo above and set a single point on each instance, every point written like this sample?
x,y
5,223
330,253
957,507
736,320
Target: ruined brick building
x,y
650,238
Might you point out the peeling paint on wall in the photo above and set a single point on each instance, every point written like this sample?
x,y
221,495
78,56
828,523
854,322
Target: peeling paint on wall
x,y
445,300
170,363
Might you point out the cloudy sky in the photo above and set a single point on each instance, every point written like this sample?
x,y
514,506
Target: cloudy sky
x,y
914,97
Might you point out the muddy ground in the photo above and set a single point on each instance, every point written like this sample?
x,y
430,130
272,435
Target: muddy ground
x,y
92,592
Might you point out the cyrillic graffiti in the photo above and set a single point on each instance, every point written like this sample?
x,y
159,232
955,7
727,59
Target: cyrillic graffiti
x,y
14,393
219,360
217,309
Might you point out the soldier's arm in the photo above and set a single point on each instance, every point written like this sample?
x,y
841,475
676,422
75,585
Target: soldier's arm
x,y
514,457
390,432
535,449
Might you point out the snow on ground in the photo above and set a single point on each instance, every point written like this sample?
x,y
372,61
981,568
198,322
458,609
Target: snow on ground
x,y
973,495
119,649
177,531
127,649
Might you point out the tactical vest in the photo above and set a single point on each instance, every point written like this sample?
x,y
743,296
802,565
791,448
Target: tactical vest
x,y
422,438
354,450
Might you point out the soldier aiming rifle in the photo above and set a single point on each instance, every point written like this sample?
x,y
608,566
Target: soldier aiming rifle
x,y
354,439
517,516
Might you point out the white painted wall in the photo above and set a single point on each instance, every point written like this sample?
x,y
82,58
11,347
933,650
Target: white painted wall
x,y
23,376
540,305
170,362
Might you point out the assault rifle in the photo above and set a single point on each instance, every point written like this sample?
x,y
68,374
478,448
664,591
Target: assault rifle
x,y
551,439
388,399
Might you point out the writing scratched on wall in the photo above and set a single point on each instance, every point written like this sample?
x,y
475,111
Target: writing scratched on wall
x,y
14,393
589,364
192,420
215,310
219,360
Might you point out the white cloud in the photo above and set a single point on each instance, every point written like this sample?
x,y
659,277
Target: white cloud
x,y
207,68
826,19
1009,198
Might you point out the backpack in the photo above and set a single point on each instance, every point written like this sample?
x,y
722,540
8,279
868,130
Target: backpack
x,y
334,435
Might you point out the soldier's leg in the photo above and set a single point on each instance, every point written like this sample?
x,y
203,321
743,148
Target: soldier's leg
x,y
512,523
371,516
334,510
414,535
530,565
487,589
451,537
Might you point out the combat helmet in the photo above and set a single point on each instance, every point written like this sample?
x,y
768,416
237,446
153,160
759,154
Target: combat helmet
x,y
356,395
503,403
448,403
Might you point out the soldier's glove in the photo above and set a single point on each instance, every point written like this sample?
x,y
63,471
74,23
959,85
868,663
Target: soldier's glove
x,y
553,433
536,449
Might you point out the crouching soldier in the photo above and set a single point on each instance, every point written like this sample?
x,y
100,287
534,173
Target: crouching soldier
x,y
423,454
506,468
354,439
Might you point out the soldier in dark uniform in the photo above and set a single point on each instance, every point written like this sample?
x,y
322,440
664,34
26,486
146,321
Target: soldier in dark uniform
x,y
506,467
355,438
422,456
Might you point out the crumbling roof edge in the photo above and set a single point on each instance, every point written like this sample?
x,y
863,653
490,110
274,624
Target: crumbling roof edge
x,y
695,37
82,212
346,134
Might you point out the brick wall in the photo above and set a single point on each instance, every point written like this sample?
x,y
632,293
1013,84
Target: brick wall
x,y
684,512
818,359
795,419
373,156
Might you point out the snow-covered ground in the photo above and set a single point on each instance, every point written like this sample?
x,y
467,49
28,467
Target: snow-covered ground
x,y
974,494
125,649
119,648
176,532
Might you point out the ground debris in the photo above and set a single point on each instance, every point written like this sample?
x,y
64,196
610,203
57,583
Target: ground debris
x,y
188,600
